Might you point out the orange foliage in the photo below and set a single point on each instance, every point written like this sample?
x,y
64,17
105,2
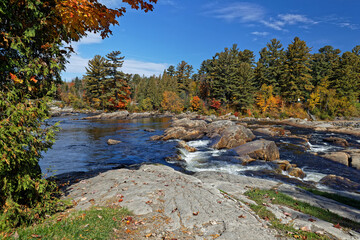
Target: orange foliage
x,y
196,104
172,102
215,104
266,100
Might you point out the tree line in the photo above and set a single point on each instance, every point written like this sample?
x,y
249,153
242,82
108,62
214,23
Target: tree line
x,y
282,83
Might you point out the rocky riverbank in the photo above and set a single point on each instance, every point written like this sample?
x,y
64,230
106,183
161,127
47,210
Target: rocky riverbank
x,y
208,205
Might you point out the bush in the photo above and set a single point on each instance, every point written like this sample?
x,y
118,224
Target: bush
x,y
25,197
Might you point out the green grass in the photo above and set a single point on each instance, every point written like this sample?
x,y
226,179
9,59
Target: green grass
x,y
274,197
341,199
96,223
285,229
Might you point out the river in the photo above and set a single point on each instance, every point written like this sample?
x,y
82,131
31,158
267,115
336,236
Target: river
x,y
81,147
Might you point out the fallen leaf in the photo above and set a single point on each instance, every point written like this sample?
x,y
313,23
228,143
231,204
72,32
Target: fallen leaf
x,y
35,236
100,217
128,231
219,202
149,202
148,235
174,210
305,228
59,219
337,226
266,218
120,200
195,213
312,220
287,214
241,216
116,230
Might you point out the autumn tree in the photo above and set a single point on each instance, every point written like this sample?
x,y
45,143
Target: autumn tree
x,y
32,55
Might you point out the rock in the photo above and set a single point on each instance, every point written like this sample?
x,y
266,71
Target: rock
x,y
182,134
272,131
340,183
338,141
245,160
214,129
183,144
296,172
112,142
340,157
259,149
114,115
155,138
354,159
234,136
283,164
187,123
149,130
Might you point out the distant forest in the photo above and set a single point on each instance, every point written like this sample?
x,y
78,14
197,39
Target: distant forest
x,y
289,82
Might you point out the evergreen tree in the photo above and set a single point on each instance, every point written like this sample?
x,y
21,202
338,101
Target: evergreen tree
x,y
171,71
296,78
116,87
269,67
94,81
323,64
183,76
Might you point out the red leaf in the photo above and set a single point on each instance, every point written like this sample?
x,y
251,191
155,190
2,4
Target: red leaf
x,y
337,226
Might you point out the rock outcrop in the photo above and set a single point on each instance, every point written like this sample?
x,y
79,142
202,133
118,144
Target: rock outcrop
x,y
234,136
338,141
183,144
340,183
259,149
340,157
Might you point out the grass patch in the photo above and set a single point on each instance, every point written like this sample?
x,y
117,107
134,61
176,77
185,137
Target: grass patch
x,y
275,223
274,197
341,199
96,223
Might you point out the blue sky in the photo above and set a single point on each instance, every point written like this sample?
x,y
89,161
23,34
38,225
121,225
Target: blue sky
x,y
195,30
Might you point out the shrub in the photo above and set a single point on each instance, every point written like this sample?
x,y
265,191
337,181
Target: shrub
x,y
172,102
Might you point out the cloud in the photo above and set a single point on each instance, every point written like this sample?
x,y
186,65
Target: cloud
x,y
260,34
77,65
283,20
143,68
348,25
243,12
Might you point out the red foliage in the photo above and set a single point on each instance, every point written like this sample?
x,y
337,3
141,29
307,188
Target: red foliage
x,y
215,104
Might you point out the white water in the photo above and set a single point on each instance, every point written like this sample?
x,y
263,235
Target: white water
x,y
321,148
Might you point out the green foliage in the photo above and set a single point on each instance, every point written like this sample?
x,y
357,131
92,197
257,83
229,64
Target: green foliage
x,y
96,223
275,197
25,197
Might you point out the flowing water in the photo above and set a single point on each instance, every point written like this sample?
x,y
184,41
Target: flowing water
x,y
81,146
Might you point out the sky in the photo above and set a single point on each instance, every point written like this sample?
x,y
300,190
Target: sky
x,y
195,30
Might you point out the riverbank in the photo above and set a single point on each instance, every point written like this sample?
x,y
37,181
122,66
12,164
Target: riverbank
x,y
207,205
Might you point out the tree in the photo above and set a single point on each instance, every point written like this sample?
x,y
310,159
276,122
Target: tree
x,y
296,78
183,76
116,88
32,56
94,81
269,67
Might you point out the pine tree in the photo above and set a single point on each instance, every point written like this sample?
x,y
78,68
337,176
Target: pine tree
x,y
94,81
269,67
116,87
296,78
183,76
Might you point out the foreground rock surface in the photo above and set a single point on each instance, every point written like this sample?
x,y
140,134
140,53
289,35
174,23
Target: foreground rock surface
x,y
172,205
234,136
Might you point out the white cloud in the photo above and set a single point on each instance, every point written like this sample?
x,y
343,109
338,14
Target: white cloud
x,y
77,64
260,34
349,25
143,68
283,20
244,12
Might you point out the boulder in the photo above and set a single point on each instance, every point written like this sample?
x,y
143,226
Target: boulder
x,y
272,131
149,130
182,144
215,128
114,115
234,136
182,134
340,157
259,149
354,159
188,123
338,141
112,142
282,164
155,138
245,160
296,172
340,183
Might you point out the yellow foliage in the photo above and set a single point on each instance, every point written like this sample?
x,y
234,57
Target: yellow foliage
x,y
172,102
